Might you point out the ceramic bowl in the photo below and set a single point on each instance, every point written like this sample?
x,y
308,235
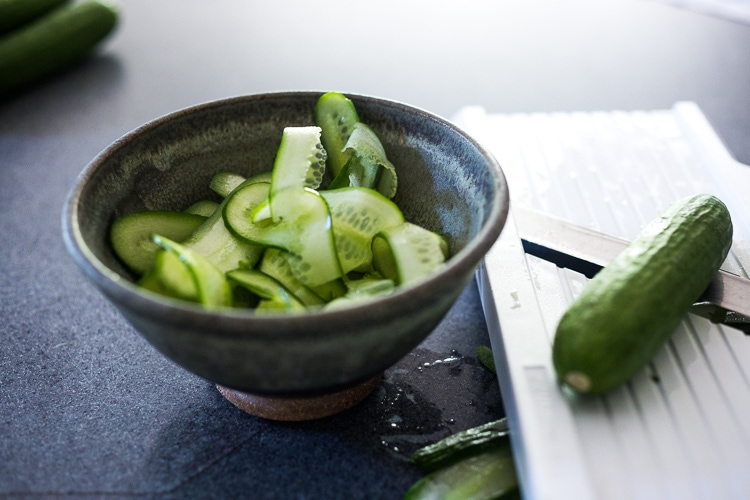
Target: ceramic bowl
x,y
447,183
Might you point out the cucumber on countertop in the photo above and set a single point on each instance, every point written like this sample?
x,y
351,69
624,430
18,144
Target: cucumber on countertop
x,y
16,13
628,311
52,42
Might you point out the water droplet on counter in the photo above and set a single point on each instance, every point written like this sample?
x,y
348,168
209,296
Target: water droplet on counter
x,y
514,296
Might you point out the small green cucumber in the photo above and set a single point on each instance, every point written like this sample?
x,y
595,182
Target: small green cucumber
x,y
16,13
53,41
630,309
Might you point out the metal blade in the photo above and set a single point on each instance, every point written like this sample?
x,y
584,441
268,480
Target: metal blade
x,y
586,251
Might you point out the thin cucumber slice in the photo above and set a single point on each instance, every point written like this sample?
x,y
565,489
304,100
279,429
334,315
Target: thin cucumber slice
x,y
314,260
275,263
358,214
204,208
331,290
214,290
266,288
335,114
130,235
303,229
367,165
223,249
223,183
487,475
363,290
238,216
170,277
495,434
300,162
408,252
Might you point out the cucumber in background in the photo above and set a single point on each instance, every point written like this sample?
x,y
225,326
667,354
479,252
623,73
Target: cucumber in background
x,y
53,41
628,311
16,13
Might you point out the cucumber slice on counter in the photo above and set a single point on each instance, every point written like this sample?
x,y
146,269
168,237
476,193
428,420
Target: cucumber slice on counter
x,y
462,445
130,235
336,115
487,475
408,252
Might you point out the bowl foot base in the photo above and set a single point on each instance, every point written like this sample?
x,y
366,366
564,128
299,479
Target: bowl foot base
x,y
296,409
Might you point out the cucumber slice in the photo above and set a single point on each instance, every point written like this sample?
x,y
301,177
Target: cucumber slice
x,y
303,228
213,288
130,235
335,114
358,214
331,290
275,264
408,252
205,208
367,165
223,183
223,249
273,293
237,214
170,277
362,290
490,474
300,163
461,445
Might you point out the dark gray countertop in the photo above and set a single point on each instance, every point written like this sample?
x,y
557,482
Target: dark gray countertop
x,y
88,408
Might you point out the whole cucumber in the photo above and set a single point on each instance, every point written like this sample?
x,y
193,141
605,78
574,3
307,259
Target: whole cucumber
x,y
631,308
16,13
52,42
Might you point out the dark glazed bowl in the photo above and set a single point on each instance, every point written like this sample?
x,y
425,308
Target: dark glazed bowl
x,y
447,182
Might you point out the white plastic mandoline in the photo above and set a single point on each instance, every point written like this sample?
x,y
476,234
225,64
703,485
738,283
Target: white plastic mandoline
x,y
681,428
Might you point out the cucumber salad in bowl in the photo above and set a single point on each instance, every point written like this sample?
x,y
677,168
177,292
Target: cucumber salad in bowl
x,y
318,229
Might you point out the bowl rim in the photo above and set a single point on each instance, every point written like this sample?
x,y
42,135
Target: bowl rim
x,y
183,312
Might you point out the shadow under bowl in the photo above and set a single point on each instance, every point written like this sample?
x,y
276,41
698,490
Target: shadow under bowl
x,y
447,183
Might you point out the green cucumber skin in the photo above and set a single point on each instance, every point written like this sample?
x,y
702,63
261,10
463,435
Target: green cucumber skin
x,y
630,309
16,13
52,42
